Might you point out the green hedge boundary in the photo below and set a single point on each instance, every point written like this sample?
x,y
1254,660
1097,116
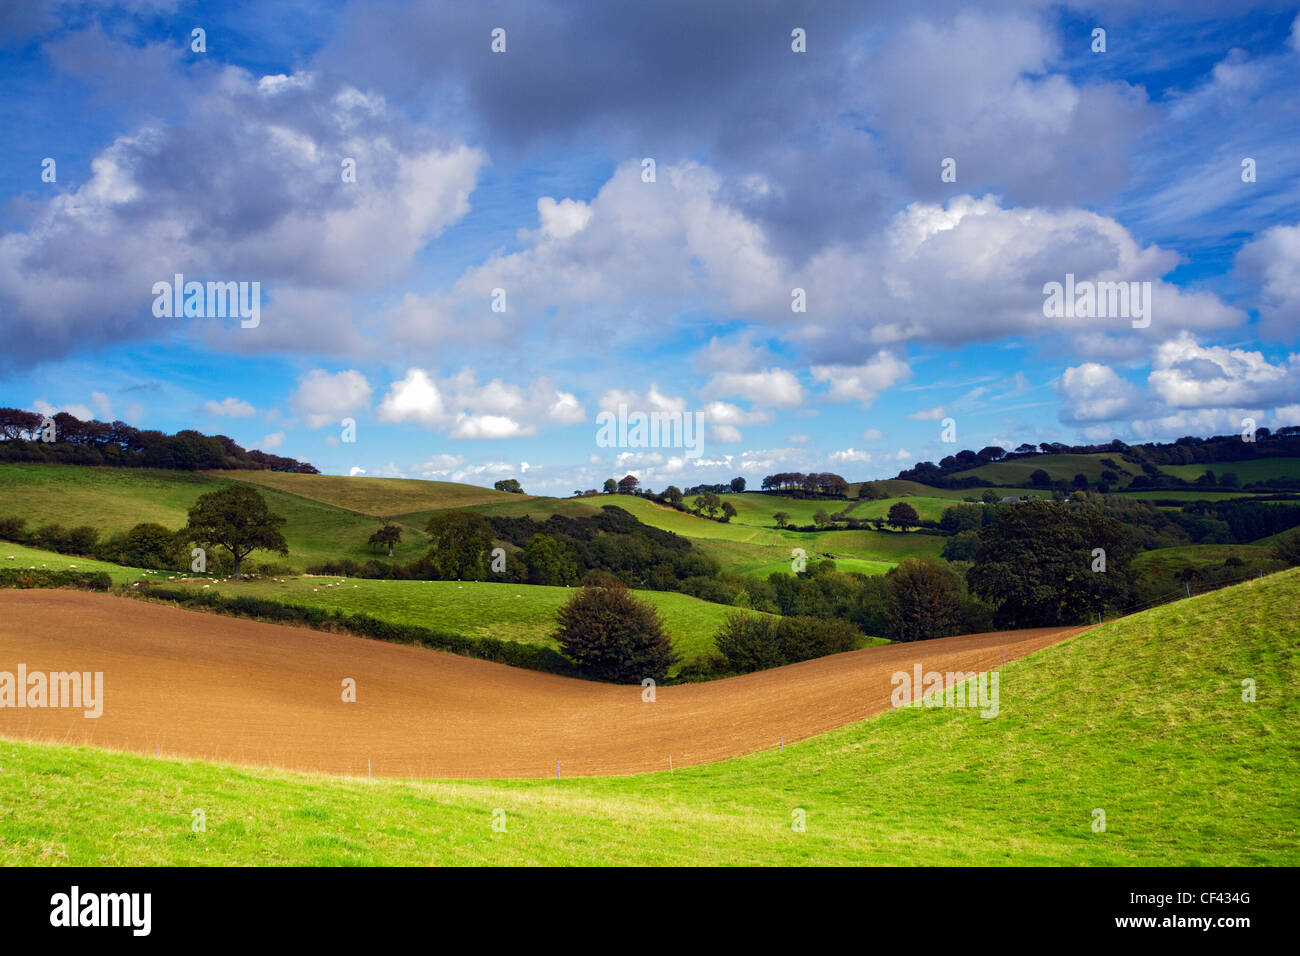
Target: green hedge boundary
x,y
512,653
46,578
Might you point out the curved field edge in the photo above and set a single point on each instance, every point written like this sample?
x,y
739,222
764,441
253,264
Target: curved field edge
x,y
473,610
1142,718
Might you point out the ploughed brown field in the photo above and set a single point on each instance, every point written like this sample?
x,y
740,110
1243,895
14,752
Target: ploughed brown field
x,y
225,689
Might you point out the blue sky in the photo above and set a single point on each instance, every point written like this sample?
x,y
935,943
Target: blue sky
x,y
774,170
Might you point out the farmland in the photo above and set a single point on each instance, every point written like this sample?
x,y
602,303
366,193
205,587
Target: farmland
x,y
1143,718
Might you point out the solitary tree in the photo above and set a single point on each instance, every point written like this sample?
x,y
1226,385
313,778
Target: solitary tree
x,y
738,484
627,485
610,486
710,503
782,519
673,495
509,484
612,636
389,535
902,515
235,518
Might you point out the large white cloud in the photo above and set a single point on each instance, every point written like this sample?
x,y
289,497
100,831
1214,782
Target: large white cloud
x,y
1093,392
325,398
770,388
1273,261
494,410
862,383
1188,375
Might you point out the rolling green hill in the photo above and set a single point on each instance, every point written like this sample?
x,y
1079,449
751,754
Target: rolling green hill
x,y
1143,719
902,488
33,558
331,517
508,612
1200,555
378,497
115,499
1259,469
1063,467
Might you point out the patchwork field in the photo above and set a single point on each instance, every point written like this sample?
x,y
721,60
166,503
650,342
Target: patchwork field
x,y
1142,718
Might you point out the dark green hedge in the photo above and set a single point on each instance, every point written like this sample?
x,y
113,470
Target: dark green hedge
x,y
45,578
513,653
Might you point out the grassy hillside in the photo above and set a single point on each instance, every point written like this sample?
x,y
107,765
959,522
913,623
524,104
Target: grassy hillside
x,y
901,488
379,497
1064,467
870,552
25,557
331,517
1260,469
508,612
756,509
1142,718
1183,495
115,499
1163,562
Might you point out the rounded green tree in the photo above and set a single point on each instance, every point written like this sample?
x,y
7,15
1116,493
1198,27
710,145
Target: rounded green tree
x,y
235,518
612,636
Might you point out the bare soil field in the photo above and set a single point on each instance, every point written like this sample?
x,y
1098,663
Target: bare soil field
x,y
225,689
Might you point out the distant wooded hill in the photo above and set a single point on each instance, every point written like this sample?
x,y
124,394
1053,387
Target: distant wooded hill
x,y
28,436
963,469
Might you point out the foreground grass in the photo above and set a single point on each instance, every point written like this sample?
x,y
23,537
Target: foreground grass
x,y
1142,719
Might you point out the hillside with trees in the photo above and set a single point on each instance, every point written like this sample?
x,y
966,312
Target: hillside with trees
x,y
67,440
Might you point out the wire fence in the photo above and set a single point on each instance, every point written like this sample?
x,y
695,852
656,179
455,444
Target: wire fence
x,y
1179,593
